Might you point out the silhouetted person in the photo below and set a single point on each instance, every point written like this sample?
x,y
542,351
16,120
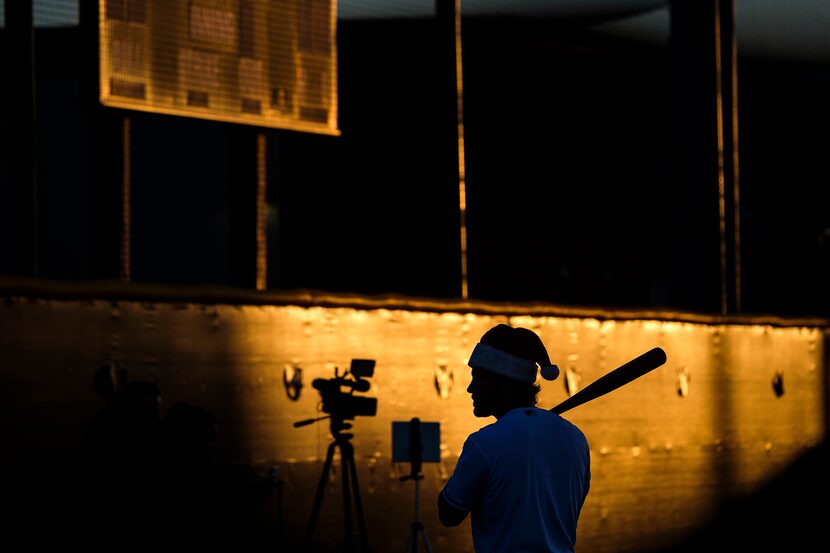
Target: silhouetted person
x,y
193,502
107,381
526,476
122,459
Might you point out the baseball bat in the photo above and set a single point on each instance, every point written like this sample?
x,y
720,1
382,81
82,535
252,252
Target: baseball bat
x,y
617,378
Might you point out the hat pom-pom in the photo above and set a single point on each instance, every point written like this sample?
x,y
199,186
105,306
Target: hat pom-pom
x,y
550,372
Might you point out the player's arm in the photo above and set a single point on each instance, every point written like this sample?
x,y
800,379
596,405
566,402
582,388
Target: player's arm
x,y
465,486
448,514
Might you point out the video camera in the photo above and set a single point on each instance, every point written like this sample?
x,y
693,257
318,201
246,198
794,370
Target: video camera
x,y
346,405
342,405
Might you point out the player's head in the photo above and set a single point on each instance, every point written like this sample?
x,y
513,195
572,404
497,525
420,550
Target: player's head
x,y
505,365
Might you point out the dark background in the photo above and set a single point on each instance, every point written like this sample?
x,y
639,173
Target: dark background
x,y
578,190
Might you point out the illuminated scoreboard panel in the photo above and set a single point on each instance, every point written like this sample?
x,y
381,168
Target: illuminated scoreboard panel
x,y
269,63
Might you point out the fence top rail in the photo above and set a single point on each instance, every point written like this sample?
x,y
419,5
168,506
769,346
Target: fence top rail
x,y
112,290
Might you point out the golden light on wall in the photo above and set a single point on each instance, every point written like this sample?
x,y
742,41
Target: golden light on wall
x,y
734,405
269,63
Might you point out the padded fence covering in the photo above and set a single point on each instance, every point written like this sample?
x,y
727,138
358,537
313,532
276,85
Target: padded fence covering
x,y
733,406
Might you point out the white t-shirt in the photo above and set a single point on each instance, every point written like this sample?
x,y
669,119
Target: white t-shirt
x,y
525,478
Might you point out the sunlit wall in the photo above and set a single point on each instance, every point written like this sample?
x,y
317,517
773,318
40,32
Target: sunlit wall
x,y
732,407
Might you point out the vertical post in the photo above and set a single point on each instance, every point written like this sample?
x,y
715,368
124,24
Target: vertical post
x,y
706,144
22,135
126,199
261,231
111,164
721,161
727,93
736,195
448,13
111,194
248,230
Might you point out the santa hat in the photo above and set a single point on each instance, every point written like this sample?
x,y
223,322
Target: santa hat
x,y
515,353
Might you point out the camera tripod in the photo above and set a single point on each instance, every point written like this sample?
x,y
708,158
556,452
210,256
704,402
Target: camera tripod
x,y
416,529
350,485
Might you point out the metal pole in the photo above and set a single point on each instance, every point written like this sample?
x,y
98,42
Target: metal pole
x,y
126,200
22,136
417,500
261,230
448,13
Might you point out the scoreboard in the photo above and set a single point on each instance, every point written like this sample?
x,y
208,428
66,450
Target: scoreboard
x,y
269,63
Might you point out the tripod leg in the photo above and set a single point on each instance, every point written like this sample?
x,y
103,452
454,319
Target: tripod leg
x,y
427,545
411,541
347,500
361,520
318,499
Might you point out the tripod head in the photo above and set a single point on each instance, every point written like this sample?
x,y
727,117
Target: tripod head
x,y
336,425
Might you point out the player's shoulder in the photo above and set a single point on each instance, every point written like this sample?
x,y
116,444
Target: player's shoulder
x,y
559,424
576,435
486,434
560,420
511,423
